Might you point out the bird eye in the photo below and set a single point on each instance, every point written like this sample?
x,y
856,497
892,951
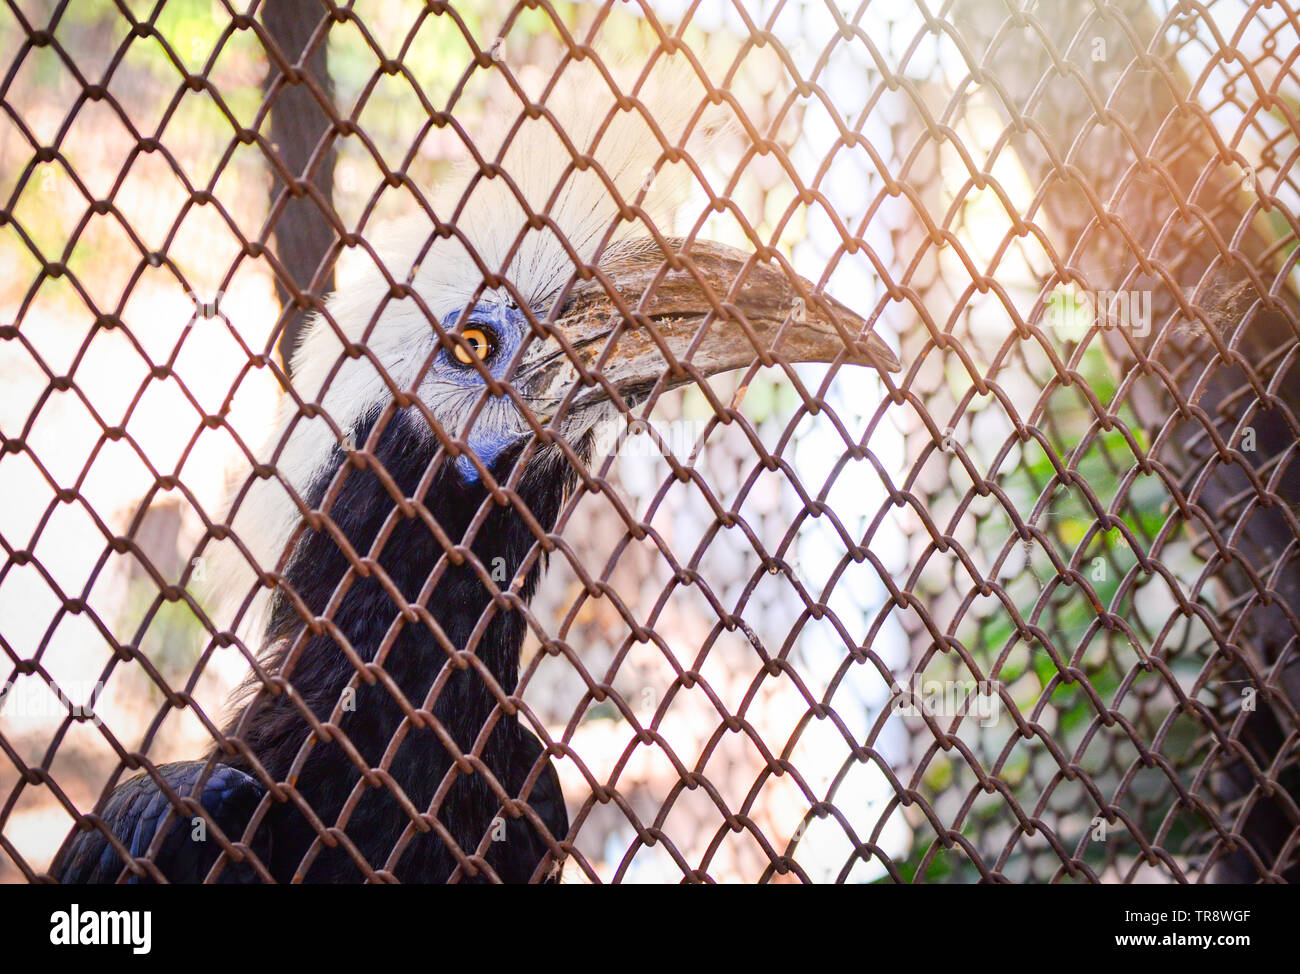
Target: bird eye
x,y
474,344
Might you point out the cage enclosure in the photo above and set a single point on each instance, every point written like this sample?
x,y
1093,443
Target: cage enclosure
x,y
757,441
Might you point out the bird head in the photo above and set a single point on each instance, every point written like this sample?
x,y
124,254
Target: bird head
x,y
538,299
652,315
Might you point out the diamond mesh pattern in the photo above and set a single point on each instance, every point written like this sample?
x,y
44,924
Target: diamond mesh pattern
x,y
1028,610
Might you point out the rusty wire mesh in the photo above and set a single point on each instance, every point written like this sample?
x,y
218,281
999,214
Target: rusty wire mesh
x,y
1027,610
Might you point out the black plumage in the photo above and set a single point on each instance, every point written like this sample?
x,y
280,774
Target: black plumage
x,y
138,809
274,730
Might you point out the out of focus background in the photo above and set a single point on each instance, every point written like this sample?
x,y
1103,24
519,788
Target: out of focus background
x,y
991,618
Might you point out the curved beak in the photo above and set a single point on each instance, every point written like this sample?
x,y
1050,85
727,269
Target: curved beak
x,y
707,308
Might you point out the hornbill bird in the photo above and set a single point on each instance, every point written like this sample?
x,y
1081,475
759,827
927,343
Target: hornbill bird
x,y
443,401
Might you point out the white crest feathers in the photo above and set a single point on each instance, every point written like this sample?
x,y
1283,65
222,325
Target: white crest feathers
x,y
491,223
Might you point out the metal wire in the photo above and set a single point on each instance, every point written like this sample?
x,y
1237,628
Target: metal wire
x,y
1059,640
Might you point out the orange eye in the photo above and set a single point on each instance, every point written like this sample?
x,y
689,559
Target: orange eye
x,y
474,343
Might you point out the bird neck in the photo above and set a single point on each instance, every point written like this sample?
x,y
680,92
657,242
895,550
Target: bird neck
x,y
369,610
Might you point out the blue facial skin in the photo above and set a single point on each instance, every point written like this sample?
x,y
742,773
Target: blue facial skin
x,y
505,325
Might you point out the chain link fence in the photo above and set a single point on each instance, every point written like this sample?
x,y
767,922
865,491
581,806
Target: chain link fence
x,y
1026,610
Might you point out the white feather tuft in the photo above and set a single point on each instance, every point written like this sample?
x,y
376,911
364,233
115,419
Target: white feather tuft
x,y
494,225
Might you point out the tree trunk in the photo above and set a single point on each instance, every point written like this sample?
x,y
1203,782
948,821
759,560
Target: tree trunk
x,y
302,138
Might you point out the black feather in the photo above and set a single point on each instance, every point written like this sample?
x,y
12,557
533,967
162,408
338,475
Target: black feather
x,y
137,811
274,729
